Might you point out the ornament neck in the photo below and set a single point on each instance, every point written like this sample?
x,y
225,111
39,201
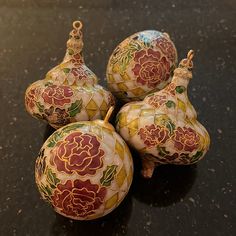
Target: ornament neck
x,y
104,123
183,73
181,77
75,43
74,57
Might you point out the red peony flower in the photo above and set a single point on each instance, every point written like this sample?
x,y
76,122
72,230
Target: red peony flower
x,y
167,47
78,152
58,95
31,98
156,100
78,198
153,135
186,139
150,68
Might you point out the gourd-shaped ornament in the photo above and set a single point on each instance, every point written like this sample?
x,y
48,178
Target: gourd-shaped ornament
x,y
142,64
84,169
164,127
70,91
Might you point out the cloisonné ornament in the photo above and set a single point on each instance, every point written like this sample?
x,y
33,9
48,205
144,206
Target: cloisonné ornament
x,y
143,63
164,127
69,92
84,170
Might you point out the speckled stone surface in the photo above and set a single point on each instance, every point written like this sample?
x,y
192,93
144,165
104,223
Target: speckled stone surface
x,y
192,200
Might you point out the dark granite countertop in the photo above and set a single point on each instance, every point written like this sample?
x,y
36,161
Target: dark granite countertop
x,y
191,200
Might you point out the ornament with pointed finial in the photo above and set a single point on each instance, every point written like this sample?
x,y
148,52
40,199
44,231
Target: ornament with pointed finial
x,y
164,126
70,91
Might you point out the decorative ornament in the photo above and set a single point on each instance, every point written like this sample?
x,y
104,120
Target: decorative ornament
x,y
70,92
164,127
141,64
84,170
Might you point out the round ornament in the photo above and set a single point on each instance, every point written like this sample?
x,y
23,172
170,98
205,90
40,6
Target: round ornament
x,y
84,170
143,63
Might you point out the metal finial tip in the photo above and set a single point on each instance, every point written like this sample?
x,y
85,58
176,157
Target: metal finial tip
x,y
77,25
190,55
109,114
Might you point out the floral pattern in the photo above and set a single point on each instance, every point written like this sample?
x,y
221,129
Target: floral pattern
x,y
57,95
170,88
144,62
70,91
151,68
167,132
156,100
57,116
40,163
172,157
77,59
153,135
80,152
186,139
78,198
167,48
31,98
80,74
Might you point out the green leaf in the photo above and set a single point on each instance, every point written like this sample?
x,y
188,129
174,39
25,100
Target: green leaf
x,y
45,190
162,151
54,138
180,89
38,116
70,51
72,127
66,70
51,178
170,126
127,54
51,144
75,108
196,156
48,84
170,104
108,175
40,106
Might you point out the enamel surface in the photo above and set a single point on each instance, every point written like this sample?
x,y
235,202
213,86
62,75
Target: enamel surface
x,y
69,92
141,64
164,127
84,170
